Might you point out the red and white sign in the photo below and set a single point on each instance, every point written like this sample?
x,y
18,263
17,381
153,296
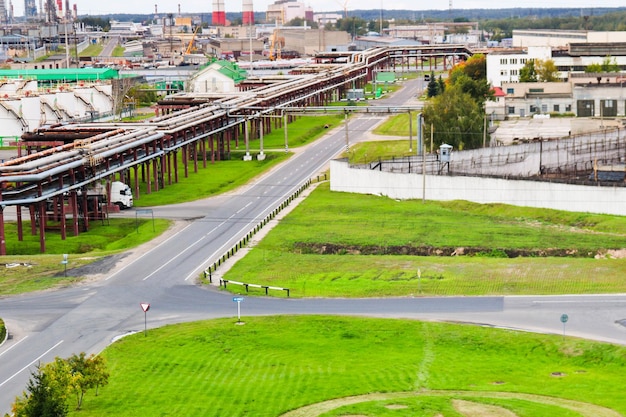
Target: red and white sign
x,y
145,307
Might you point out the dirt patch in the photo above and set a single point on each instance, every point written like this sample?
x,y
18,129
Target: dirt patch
x,y
334,249
101,266
584,409
472,409
396,406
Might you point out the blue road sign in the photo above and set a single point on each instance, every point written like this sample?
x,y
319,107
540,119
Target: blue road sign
x,y
237,299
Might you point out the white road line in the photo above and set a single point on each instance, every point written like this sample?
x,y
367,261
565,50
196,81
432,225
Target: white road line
x,y
145,254
12,346
243,208
30,364
576,301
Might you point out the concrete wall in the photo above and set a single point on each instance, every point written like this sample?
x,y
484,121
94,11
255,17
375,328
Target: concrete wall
x,y
602,200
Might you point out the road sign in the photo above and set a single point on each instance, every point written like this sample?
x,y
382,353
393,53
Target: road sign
x,y
238,300
564,318
145,307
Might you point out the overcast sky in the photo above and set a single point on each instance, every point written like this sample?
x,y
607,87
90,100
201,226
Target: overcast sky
x,y
95,7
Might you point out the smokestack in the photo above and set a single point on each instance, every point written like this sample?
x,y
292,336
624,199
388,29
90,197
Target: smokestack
x,y
248,13
219,15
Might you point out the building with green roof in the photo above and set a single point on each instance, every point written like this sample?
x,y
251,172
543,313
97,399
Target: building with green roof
x,y
219,76
62,75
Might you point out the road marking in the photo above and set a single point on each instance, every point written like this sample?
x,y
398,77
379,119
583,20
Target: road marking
x,y
577,301
243,208
145,254
16,343
30,364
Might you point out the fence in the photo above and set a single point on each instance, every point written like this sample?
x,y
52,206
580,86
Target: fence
x,y
573,156
208,273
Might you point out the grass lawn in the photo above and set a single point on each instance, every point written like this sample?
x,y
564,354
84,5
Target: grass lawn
x,y
340,366
92,50
28,270
343,250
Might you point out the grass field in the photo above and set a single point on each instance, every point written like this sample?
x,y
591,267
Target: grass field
x,y
28,270
342,250
341,366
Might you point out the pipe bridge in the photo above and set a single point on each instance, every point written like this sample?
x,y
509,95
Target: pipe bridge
x,y
54,184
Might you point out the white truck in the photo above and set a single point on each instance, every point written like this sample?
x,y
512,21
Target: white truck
x,y
121,194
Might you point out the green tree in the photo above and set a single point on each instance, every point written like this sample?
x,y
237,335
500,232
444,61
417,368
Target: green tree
x,y
432,88
471,77
43,397
607,65
527,73
594,68
547,71
457,119
441,85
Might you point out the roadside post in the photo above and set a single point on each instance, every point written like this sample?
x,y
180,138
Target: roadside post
x,y
419,280
145,307
564,318
64,263
238,300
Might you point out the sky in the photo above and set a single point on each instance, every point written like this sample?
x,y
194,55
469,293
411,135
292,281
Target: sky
x,y
94,7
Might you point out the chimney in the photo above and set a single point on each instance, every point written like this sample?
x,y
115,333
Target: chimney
x,y
248,13
219,15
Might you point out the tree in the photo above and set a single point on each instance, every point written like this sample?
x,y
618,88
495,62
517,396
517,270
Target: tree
x,y
471,77
528,74
52,384
441,85
89,372
607,65
43,397
594,68
457,119
547,71
432,88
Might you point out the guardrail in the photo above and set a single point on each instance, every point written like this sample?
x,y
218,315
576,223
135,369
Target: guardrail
x,y
245,284
208,273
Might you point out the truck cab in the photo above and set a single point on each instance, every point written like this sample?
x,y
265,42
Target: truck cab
x,y
121,195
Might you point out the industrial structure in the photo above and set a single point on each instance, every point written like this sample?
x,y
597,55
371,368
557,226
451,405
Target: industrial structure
x,y
201,128
219,13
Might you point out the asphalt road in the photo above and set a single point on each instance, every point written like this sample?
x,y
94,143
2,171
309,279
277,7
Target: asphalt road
x,y
90,316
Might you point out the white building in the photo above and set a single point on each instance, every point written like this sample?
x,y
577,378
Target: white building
x,y
562,38
283,11
504,65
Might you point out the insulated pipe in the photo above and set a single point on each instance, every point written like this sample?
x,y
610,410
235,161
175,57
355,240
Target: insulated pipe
x,y
62,168
51,155
44,197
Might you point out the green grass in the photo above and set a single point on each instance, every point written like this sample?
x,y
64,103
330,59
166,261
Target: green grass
x,y
344,221
118,51
367,152
272,365
229,174
301,131
217,178
398,125
91,50
36,271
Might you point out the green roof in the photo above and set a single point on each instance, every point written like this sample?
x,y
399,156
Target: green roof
x,y
63,75
232,71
